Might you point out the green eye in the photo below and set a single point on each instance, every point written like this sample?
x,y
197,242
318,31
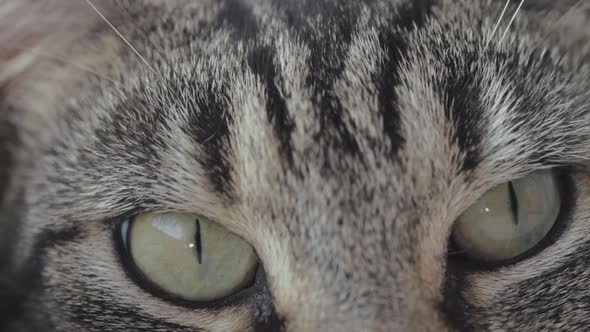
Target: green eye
x,y
188,256
510,219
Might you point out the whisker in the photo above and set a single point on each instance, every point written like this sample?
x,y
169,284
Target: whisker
x,y
498,23
511,21
121,36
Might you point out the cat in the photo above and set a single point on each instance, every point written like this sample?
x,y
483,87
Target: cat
x,y
336,148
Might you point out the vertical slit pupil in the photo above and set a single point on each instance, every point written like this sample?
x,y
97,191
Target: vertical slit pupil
x,y
198,245
513,202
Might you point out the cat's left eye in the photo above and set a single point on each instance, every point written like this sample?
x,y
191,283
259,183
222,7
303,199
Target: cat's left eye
x,y
187,256
509,220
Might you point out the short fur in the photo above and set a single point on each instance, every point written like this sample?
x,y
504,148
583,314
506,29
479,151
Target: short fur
x,y
340,138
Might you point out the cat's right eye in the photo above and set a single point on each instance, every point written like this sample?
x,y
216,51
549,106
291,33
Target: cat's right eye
x,y
187,256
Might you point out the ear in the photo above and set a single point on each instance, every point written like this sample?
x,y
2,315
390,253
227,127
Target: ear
x,y
38,34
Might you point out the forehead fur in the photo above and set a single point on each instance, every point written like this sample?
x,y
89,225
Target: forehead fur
x,y
340,138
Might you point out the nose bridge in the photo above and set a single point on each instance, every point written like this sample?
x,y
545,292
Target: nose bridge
x,y
363,278
358,258
403,309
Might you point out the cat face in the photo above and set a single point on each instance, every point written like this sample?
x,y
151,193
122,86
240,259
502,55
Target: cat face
x,y
339,143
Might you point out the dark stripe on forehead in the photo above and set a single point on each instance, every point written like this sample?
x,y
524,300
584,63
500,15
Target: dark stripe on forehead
x,y
395,47
238,18
462,93
135,123
328,40
393,39
209,126
261,61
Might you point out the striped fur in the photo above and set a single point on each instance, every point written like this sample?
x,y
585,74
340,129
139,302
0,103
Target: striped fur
x,y
341,138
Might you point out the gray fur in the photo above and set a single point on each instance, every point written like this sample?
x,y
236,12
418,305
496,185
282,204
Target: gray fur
x,y
294,125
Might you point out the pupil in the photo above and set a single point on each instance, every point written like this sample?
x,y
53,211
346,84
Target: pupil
x,y
198,245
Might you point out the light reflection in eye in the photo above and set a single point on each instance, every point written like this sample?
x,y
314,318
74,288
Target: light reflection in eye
x,y
169,226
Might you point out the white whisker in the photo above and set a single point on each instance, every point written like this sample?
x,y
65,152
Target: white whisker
x,y
498,23
511,21
121,36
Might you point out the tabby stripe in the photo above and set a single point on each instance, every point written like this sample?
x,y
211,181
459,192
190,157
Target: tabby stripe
x,y
328,44
131,124
412,15
261,61
210,127
395,47
21,289
239,19
97,310
464,109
